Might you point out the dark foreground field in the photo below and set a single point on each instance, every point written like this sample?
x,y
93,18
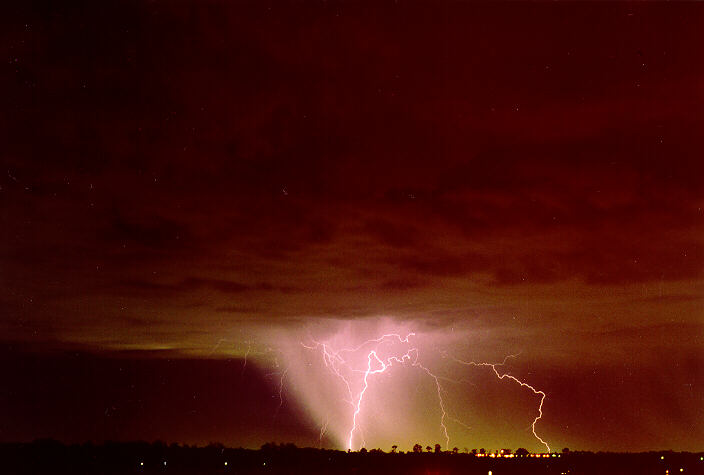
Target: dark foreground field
x,y
50,457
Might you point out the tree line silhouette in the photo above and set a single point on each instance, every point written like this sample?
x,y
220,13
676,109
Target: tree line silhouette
x,y
52,457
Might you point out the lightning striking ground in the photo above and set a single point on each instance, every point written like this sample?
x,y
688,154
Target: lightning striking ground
x,y
338,362
375,365
523,384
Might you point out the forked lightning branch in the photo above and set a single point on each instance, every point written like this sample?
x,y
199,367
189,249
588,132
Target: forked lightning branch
x,y
357,368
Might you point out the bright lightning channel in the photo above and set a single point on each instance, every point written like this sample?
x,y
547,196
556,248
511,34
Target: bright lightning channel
x,y
334,361
246,354
523,384
281,392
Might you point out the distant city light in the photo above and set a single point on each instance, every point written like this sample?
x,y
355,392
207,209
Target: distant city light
x,y
141,464
226,464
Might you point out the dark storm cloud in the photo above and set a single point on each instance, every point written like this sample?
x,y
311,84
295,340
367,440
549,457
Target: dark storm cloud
x,y
672,298
237,309
215,284
400,284
152,231
191,284
390,233
448,265
178,133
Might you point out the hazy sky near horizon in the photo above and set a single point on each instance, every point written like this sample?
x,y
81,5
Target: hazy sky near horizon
x,y
192,180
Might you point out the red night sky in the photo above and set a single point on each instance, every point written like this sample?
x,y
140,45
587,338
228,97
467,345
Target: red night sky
x,y
184,182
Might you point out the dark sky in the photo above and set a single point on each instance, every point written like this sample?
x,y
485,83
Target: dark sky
x,y
180,178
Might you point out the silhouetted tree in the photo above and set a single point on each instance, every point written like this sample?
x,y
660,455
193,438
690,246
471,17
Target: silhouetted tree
x,y
438,448
482,451
565,450
393,449
54,458
474,451
268,447
455,450
429,448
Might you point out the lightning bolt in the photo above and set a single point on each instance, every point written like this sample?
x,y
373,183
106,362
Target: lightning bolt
x,y
281,392
504,375
282,377
337,361
442,403
334,360
323,430
246,354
